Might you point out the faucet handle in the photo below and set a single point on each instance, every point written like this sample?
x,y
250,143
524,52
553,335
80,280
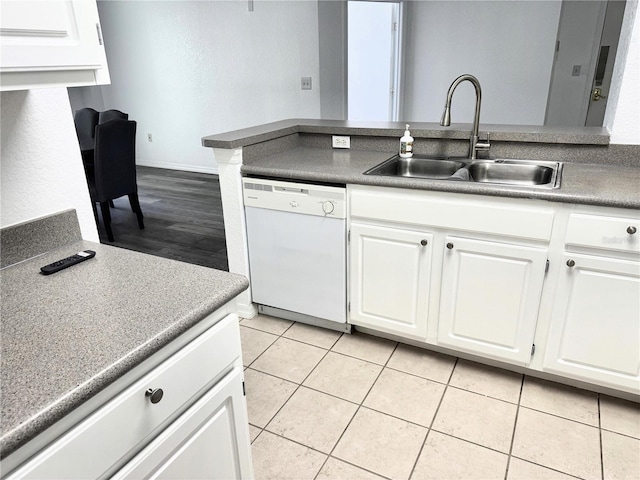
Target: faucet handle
x,y
483,144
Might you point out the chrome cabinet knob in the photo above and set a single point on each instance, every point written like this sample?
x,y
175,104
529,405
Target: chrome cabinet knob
x,y
571,263
449,245
424,242
155,395
631,230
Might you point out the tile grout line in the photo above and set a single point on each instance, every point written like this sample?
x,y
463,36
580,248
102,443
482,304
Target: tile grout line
x,y
515,425
600,438
435,414
548,468
354,416
298,386
385,413
292,393
559,416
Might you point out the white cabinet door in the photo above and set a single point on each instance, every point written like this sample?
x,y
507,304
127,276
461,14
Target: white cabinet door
x,y
595,330
490,297
209,441
389,285
51,42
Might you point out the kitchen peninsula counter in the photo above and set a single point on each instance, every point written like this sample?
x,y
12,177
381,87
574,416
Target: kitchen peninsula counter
x,y
595,171
582,183
67,336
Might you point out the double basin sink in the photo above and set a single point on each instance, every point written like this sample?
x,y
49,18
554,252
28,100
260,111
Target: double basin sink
x,y
521,173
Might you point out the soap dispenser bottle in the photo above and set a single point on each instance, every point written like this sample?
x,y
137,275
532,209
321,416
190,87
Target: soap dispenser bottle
x,y
406,144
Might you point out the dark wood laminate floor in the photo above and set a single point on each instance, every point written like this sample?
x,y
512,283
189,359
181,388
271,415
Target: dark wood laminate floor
x,y
182,217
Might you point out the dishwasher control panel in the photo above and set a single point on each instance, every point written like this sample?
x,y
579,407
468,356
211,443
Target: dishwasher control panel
x,y
304,198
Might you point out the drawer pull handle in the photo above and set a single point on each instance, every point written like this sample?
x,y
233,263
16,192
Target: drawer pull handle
x,y
154,395
631,230
424,242
449,245
571,263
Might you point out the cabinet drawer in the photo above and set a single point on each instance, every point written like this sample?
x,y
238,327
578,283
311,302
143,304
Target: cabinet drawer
x,y
510,217
606,232
129,421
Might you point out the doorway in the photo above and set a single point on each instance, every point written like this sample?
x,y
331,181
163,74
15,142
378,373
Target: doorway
x,y
373,60
586,47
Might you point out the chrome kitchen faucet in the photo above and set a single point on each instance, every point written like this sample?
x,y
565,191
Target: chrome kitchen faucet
x,y
474,143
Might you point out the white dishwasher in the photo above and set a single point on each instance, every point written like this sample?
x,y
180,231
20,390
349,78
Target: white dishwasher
x,y
297,240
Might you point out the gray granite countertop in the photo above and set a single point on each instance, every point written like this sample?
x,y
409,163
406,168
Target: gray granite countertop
x,y
590,184
512,133
78,330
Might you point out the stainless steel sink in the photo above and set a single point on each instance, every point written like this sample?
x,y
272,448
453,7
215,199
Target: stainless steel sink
x,y
416,166
519,173
513,172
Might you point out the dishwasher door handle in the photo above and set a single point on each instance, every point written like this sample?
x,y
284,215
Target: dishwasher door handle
x,y
300,191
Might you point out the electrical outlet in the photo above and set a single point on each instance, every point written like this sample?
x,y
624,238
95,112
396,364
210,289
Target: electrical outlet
x,y
306,83
149,137
340,142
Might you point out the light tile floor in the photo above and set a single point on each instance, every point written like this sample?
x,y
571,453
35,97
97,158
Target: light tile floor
x,y
324,405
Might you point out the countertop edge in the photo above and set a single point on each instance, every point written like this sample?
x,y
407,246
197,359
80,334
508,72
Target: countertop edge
x,y
506,133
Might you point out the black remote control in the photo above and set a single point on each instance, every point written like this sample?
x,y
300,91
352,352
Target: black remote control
x,y
67,262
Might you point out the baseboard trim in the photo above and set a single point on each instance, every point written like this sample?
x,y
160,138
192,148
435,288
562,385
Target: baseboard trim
x,y
247,311
177,166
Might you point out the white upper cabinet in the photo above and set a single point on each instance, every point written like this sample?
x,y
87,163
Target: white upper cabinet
x,y
51,43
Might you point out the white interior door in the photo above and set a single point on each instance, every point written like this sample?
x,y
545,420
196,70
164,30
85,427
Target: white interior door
x,y
604,64
373,63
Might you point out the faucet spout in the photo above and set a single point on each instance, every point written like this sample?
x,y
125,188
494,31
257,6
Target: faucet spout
x,y
474,144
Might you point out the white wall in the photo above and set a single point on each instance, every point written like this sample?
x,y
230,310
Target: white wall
x,y
508,46
187,69
332,33
40,159
623,111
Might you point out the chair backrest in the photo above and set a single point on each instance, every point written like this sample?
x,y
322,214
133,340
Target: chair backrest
x,y
86,120
115,160
109,115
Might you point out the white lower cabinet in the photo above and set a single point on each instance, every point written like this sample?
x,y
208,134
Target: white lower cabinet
x,y
198,428
481,283
202,443
595,329
390,269
490,296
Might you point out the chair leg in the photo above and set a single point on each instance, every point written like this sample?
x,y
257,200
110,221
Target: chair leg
x,y
135,206
106,218
111,204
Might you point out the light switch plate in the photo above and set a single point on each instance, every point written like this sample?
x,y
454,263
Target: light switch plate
x,y
576,70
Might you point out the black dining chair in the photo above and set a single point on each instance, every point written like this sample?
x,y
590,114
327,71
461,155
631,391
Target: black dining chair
x,y
109,115
86,120
115,169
